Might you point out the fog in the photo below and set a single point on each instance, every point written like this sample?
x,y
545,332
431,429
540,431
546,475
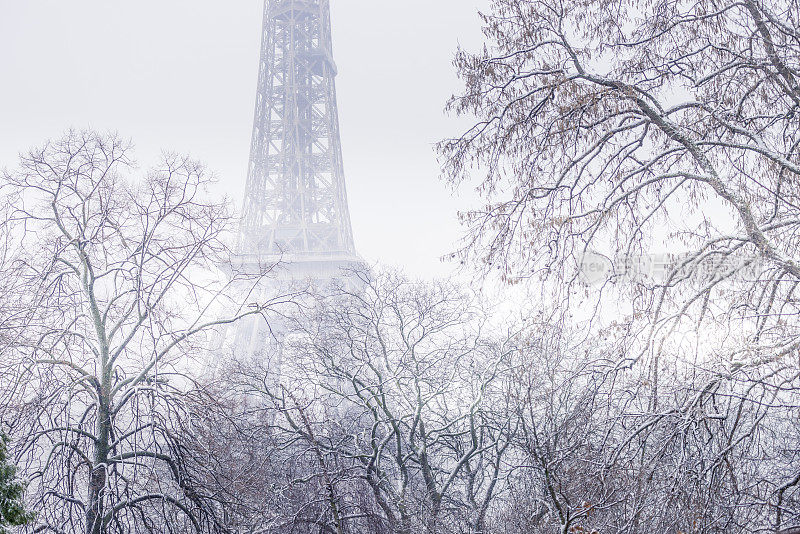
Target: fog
x,y
181,75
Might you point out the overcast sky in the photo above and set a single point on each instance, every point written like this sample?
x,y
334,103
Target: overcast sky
x,y
181,75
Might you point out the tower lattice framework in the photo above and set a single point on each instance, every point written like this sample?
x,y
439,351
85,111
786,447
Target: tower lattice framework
x,y
295,208
295,202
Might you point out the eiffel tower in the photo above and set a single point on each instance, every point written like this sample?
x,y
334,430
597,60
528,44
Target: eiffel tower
x,y
295,211
295,207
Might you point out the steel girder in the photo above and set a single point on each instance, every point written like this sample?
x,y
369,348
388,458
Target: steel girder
x,y
295,200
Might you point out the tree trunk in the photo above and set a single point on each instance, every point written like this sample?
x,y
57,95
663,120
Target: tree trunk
x,y
95,523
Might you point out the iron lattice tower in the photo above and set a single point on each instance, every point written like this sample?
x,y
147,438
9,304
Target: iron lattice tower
x,y
295,206
295,203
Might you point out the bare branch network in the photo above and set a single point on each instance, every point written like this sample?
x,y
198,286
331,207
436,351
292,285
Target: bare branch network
x,y
605,131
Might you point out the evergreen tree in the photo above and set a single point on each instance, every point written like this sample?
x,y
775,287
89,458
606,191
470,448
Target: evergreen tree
x,y
12,509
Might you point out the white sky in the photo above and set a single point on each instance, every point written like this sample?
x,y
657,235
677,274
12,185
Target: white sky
x,y
181,75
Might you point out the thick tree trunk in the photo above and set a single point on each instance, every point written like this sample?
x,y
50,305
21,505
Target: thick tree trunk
x,y
95,512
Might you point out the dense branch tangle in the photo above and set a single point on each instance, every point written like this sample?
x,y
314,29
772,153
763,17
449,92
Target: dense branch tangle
x,y
627,128
393,392
618,126
113,287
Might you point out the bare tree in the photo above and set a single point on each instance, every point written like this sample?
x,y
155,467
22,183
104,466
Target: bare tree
x,y
398,411
113,279
391,391
613,126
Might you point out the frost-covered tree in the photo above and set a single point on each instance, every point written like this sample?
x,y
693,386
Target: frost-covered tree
x,y
391,415
114,294
623,128
626,128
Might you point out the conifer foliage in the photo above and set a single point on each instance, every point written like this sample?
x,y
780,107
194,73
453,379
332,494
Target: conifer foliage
x,y
12,508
